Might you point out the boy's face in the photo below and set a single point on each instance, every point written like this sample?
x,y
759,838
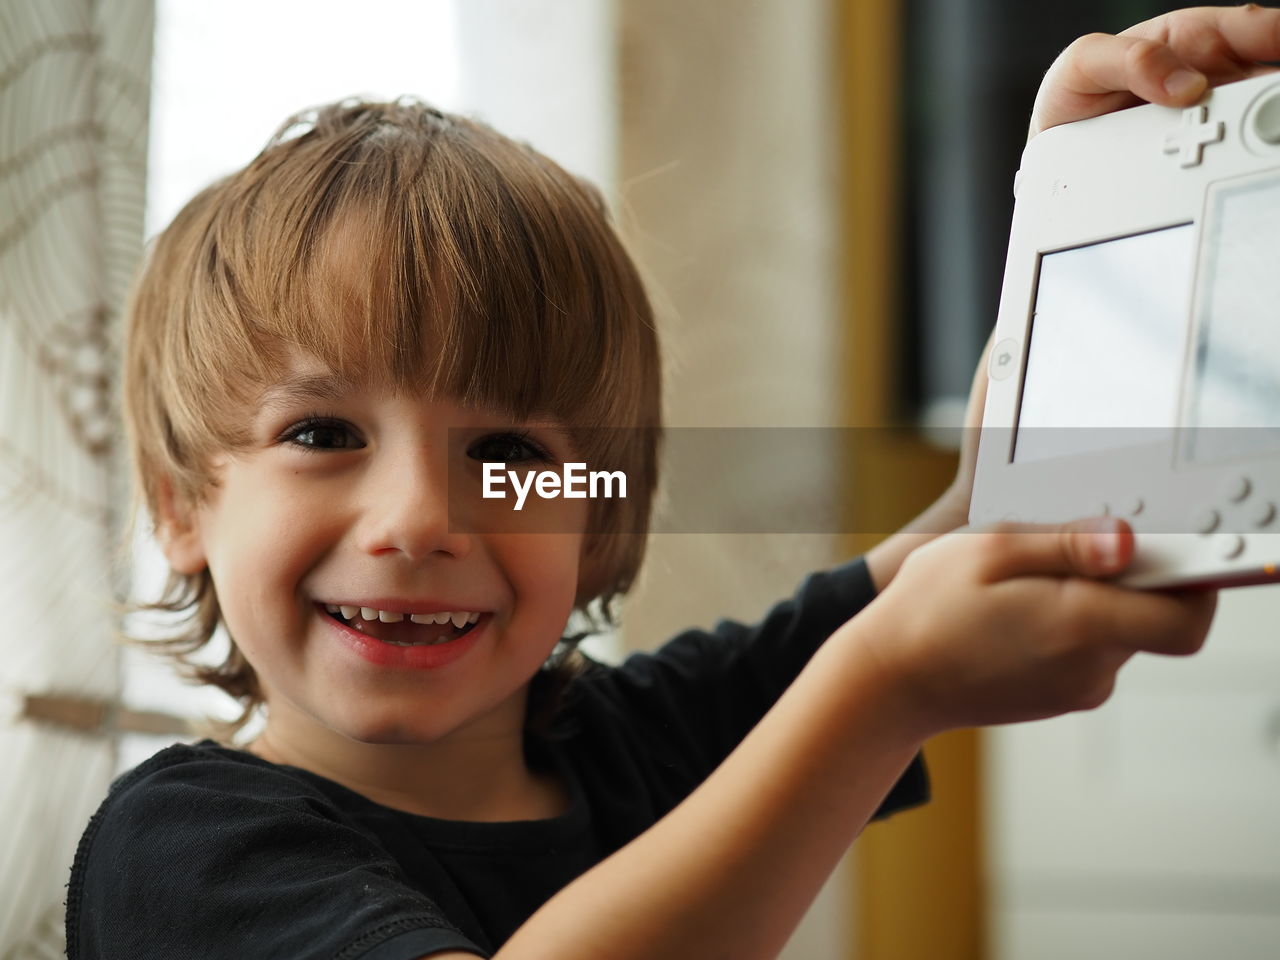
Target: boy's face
x,y
345,502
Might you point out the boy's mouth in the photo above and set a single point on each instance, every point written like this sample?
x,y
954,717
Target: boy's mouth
x,y
397,629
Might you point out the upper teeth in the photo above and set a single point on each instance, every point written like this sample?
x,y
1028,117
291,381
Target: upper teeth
x,y
458,619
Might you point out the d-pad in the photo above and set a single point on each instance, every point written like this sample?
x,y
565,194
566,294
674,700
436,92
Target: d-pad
x,y
1193,136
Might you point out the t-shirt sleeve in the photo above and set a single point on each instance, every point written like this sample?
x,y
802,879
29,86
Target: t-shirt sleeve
x,y
193,857
696,697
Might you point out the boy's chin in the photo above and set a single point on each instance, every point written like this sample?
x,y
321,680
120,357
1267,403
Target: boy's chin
x,y
420,729
400,734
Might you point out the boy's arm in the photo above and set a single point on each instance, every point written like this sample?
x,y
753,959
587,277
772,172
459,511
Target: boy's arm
x,y
733,868
951,510
731,871
947,513
983,628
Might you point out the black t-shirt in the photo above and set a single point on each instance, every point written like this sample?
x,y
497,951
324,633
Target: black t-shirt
x,y
207,851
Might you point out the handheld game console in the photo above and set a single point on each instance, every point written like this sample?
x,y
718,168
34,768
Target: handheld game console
x,y
1135,369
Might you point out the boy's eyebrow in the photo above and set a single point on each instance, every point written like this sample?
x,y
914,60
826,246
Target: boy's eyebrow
x,y
305,386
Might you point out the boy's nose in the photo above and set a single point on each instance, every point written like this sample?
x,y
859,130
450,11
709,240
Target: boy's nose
x,y
408,510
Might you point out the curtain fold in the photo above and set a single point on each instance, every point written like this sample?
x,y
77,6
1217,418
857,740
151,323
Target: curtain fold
x,y
74,106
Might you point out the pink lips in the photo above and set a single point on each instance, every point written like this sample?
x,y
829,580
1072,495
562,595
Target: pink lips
x,y
431,657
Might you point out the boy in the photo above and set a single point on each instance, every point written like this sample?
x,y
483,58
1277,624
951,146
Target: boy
x,y
362,348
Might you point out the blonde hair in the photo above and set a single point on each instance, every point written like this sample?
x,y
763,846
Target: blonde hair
x,y
486,273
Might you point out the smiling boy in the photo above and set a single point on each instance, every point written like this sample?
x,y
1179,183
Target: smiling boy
x,y
324,350
352,507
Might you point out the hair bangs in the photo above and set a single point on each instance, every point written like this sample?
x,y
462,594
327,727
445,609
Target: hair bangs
x,y
463,268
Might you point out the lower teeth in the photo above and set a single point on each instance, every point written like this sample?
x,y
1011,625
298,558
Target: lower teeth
x,y
355,625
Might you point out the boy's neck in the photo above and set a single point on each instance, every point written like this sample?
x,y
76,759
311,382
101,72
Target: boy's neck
x,y
472,779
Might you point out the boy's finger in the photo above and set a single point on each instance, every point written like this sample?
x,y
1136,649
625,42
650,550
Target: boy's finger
x,y
1149,68
1217,39
1170,59
1100,73
1172,623
1093,547
1166,622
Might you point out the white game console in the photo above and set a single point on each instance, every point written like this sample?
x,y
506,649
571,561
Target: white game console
x,y
1136,364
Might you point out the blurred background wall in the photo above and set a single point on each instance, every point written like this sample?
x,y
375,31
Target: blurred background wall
x,y
726,174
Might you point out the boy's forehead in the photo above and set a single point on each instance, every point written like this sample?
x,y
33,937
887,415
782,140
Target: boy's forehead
x,y
303,377
300,375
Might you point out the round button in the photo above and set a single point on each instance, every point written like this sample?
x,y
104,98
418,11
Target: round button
x,y
1004,359
1266,120
1230,546
1237,488
1206,521
1263,514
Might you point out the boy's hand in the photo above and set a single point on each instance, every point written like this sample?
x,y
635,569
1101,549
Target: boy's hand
x,y
1013,623
961,490
1100,73
1171,59
1097,74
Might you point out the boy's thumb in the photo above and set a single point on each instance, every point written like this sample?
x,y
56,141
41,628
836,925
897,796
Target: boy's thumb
x,y
1091,547
1099,546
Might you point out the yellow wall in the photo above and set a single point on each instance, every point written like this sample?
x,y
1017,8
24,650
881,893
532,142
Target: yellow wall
x,y
919,876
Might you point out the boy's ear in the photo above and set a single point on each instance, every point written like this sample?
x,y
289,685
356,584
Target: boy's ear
x,y
177,532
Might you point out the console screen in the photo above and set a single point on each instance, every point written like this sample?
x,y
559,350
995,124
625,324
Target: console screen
x,y
1107,343
1235,400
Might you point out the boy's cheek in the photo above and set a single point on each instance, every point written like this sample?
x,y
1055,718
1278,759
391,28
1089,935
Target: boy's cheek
x,y
517,510
545,563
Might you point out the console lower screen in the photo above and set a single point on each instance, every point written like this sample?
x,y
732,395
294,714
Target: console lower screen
x,y
1235,400
1107,344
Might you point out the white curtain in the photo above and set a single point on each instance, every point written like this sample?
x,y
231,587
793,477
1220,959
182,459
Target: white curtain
x,y
74,103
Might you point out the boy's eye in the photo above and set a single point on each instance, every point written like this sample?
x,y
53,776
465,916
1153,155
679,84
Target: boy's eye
x,y
508,448
321,435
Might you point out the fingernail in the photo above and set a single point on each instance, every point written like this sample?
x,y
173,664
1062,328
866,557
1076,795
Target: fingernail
x,y
1184,83
1107,547
1104,538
